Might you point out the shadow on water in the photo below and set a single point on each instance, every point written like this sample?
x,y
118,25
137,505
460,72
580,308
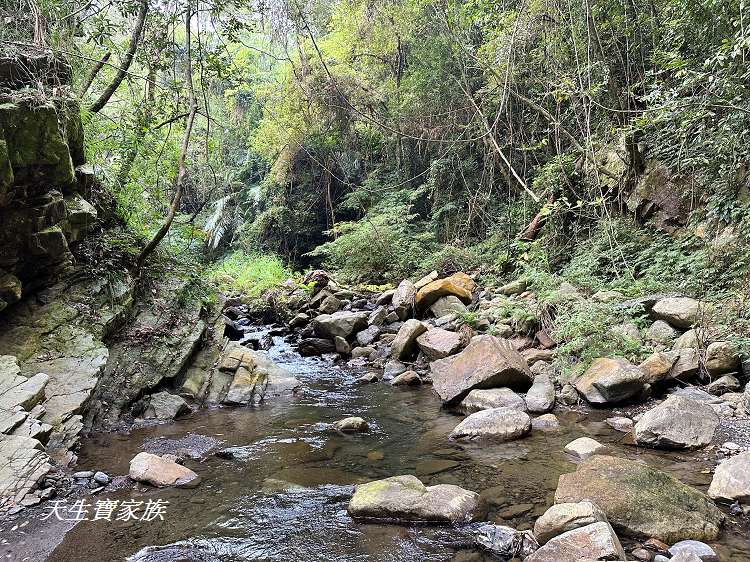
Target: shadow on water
x,y
283,495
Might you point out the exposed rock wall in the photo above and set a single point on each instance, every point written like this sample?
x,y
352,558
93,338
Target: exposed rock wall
x,y
44,185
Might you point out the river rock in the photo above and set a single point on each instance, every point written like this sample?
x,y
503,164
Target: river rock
x,y
403,299
486,362
700,549
688,340
495,424
257,378
329,305
448,305
506,542
658,366
378,316
484,399
299,320
640,501
342,346
165,406
365,352
610,380
722,385
592,542
409,378
721,357
514,287
315,346
584,447
343,323
459,285
620,423
680,557
680,312
677,423
405,344
568,395
731,481
160,472
545,422
368,335
406,499
352,424
564,517
661,332
686,365
541,396
437,343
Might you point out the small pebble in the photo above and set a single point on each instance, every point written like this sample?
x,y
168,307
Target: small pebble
x,y
101,478
81,474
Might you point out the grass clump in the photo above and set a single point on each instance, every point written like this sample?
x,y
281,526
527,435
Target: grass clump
x,y
248,274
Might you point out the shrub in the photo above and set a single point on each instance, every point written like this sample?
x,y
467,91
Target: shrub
x,y
248,274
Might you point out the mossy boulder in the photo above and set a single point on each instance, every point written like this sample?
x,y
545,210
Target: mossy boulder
x,y
640,501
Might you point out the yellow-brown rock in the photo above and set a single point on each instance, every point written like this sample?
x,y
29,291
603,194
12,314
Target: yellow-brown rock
x,y
458,284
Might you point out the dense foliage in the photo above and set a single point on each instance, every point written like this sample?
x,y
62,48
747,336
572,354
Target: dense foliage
x,y
384,139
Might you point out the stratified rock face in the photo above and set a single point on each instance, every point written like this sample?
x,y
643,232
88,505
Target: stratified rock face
x,y
161,472
43,209
731,481
677,423
406,499
495,424
592,542
640,501
610,380
23,464
680,312
487,362
255,377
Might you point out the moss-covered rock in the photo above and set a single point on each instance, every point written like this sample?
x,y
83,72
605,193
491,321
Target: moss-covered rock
x,y
641,501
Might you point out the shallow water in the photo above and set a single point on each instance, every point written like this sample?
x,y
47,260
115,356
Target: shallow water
x,y
283,496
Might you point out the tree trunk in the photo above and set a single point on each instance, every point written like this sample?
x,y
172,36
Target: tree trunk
x,y
94,71
135,37
181,168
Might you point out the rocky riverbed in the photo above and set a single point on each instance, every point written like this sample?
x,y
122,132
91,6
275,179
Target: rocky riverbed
x,y
368,427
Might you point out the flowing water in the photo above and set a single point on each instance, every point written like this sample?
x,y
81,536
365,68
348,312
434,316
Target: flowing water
x,y
283,495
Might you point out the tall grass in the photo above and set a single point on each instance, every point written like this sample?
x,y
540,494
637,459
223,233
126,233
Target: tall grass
x,y
248,274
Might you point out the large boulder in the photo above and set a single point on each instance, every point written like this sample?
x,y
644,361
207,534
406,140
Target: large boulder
x,y
592,542
721,357
680,312
495,424
459,285
610,380
343,323
165,406
484,399
541,396
677,423
731,481
487,362
406,499
658,366
641,501
405,343
448,305
403,299
161,472
564,517
255,377
437,343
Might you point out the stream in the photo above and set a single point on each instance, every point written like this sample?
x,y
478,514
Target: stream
x,y
282,495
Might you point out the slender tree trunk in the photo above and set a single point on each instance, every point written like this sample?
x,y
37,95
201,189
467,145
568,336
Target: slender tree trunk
x,y
181,168
135,38
94,71
143,121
